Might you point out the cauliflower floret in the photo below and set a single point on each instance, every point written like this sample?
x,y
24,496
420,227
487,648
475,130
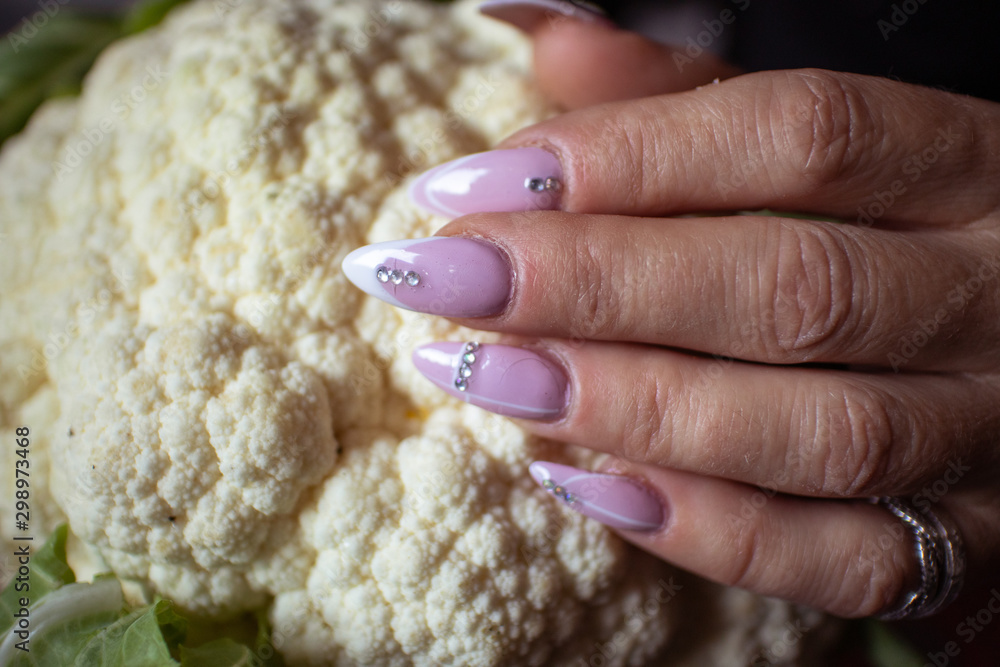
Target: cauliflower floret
x,y
225,421
190,445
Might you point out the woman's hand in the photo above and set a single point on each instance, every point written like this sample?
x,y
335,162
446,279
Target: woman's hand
x,y
753,373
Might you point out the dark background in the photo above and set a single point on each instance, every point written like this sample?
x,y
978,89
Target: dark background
x,y
13,11
949,44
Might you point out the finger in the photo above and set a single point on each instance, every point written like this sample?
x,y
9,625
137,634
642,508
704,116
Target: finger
x,y
580,65
761,289
582,60
842,145
814,552
807,431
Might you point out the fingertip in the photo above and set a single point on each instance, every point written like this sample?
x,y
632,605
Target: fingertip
x,y
581,64
573,68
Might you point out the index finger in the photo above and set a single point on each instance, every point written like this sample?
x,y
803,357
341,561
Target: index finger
x,y
841,145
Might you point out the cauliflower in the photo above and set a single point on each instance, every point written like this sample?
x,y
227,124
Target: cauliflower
x,y
223,420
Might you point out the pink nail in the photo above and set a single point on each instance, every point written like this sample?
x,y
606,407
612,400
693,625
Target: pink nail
x,y
516,179
529,14
447,276
615,501
509,381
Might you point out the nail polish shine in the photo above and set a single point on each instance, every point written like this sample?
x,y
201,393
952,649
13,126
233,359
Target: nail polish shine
x,y
516,179
510,381
446,276
528,15
614,500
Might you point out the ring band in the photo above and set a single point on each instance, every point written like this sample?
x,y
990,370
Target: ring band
x,y
941,555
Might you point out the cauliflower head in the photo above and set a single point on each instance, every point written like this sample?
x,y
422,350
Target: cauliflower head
x,y
225,421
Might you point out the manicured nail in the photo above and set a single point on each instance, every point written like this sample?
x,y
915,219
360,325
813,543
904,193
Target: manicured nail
x,y
516,179
613,500
447,276
529,14
509,381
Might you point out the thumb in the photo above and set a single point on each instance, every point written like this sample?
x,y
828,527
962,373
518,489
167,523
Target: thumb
x,y
581,59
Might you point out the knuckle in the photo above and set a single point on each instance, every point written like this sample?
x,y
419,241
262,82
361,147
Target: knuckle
x,y
647,426
878,573
742,571
600,306
633,142
855,437
886,584
624,146
826,123
814,289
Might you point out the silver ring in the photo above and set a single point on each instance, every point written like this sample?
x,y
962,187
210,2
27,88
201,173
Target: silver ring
x,y
941,554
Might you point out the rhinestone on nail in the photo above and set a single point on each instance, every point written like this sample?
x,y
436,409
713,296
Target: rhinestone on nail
x,y
549,184
465,369
385,275
559,492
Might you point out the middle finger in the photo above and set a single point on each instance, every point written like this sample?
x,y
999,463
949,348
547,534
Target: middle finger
x,y
772,290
